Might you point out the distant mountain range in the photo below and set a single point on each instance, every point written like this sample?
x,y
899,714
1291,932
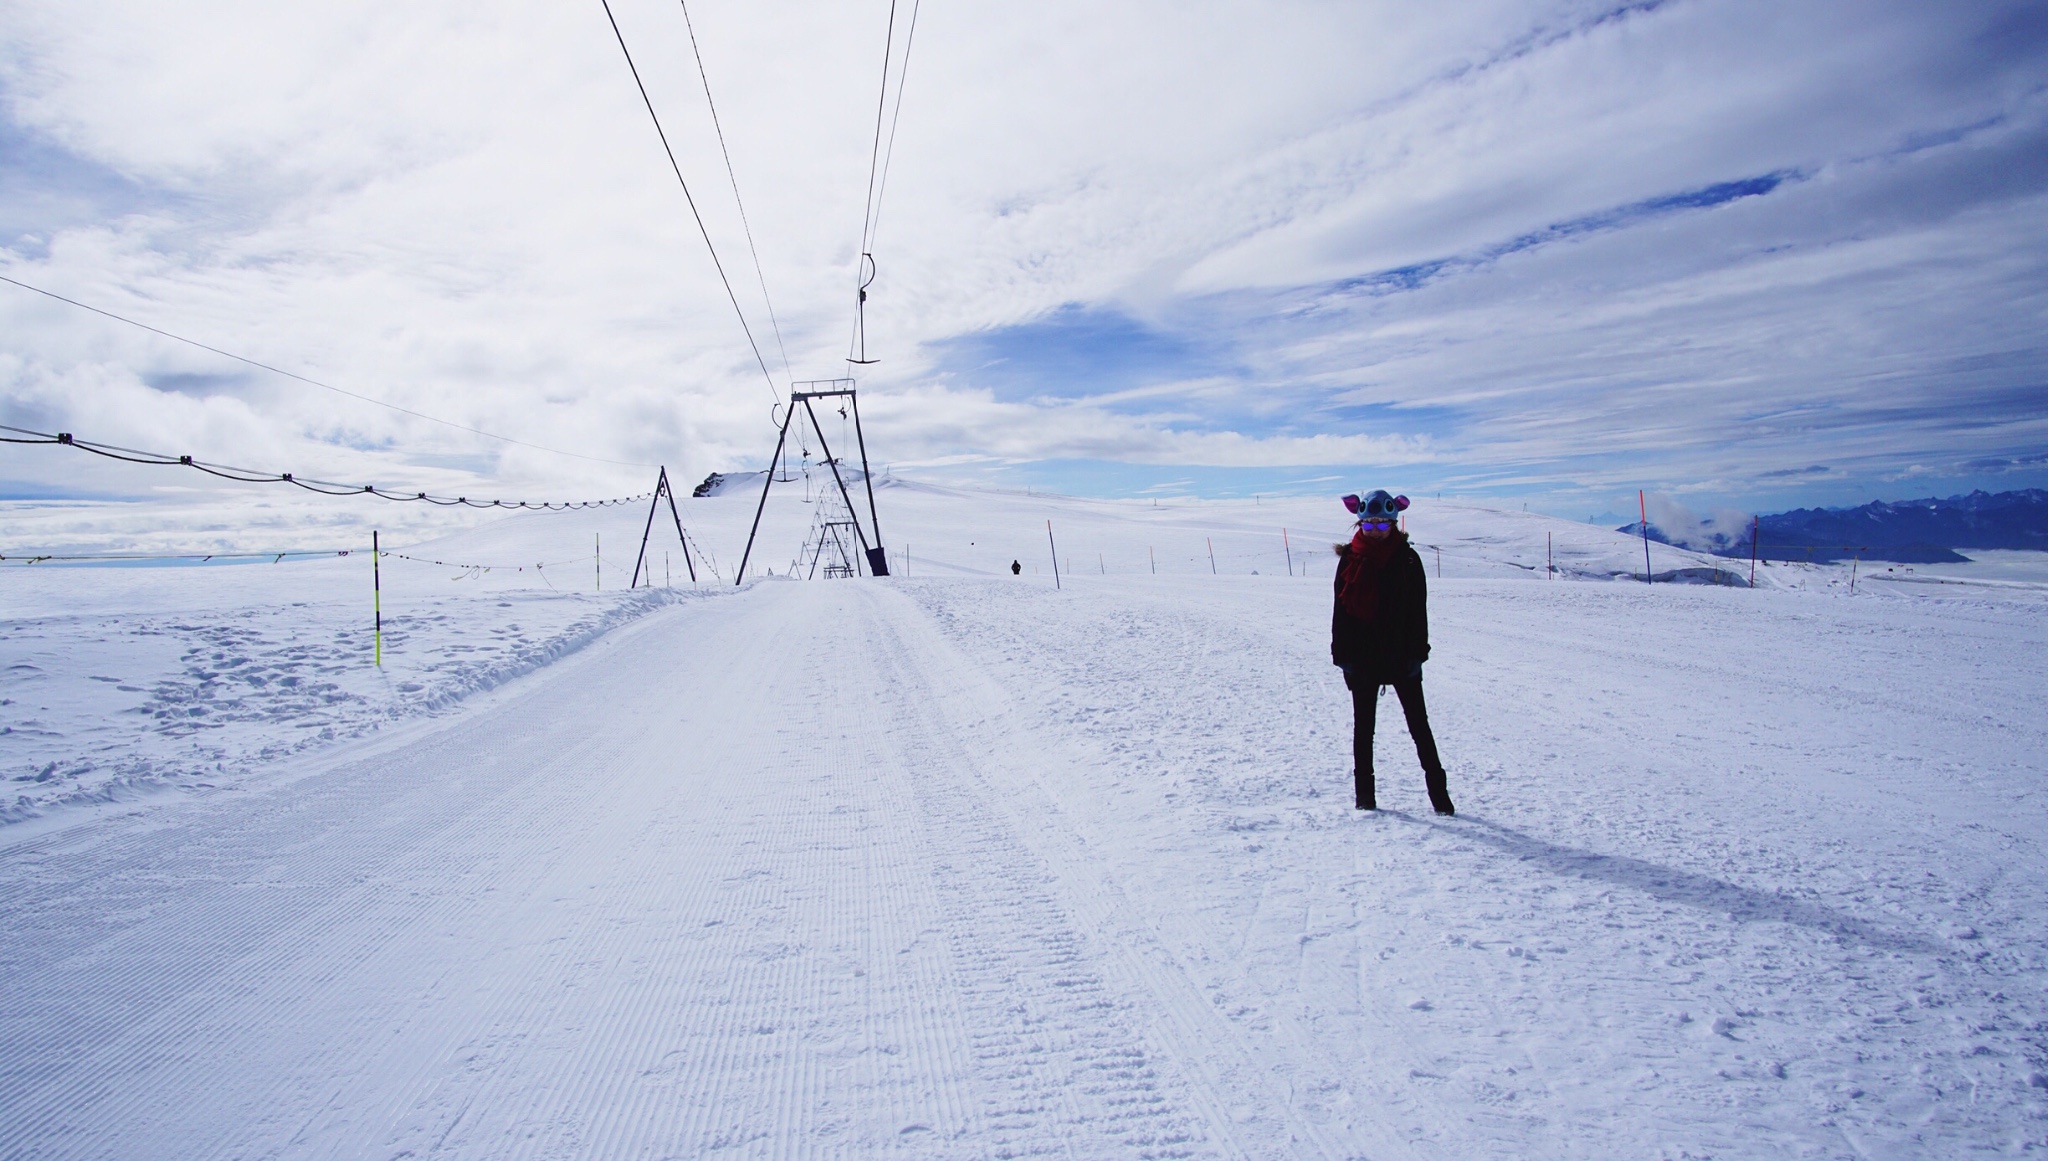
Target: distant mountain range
x,y
1910,531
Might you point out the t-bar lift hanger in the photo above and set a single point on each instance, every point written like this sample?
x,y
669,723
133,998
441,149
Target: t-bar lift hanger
x,y
860,313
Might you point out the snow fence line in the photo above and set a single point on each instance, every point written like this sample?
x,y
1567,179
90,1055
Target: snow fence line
x,y
143,775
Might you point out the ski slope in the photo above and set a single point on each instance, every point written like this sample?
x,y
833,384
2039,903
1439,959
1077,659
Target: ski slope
x,y
961,864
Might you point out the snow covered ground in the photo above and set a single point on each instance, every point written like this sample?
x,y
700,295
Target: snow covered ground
x,y
958,863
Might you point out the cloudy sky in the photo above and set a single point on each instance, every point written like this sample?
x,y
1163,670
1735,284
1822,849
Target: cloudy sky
x,y
1747,253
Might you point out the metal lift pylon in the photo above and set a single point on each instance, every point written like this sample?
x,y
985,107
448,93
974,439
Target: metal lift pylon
x,y
661,489
877,559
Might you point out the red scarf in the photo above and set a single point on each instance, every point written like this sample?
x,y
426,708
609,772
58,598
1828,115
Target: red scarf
x,y
1364,560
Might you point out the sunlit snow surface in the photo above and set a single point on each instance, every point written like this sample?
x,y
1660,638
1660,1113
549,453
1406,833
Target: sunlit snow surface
x,y
961,864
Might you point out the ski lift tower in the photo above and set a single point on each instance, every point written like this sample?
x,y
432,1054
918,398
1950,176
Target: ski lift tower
x,y
877,559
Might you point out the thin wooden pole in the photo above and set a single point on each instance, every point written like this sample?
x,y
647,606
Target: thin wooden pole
x,y
1212,554
1052,544
1288,548
1153,559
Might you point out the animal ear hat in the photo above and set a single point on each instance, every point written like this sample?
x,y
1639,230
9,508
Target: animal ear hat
x,y
1376,506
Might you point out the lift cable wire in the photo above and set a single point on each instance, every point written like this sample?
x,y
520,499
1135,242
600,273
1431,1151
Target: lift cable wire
x,y
202,557
878,163
734,178
324,487
881,107
677,166
895,116
317,383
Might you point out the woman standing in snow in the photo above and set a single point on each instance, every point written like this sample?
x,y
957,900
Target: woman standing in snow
x,y
1379,634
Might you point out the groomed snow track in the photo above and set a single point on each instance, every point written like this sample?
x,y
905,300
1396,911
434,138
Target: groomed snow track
x,y
973,868
597,920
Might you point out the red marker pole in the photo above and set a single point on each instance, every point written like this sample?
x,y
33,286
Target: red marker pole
x,y
1287,547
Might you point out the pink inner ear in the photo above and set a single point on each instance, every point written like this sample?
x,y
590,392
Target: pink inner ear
x,y
1401,503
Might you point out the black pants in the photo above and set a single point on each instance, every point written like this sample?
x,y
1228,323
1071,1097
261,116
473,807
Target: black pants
x,y
1365,697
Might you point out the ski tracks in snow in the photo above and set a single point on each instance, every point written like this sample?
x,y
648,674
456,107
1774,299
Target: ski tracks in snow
x,y
730,882
970,868
1689,905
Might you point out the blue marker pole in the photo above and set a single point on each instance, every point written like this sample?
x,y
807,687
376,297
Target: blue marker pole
x,y
1643,511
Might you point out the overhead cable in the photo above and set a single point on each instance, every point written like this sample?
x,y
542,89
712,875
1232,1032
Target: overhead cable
x,y
677,166
324,487
734,178
484,568
874,227
878,162
274,557
881,106
317,383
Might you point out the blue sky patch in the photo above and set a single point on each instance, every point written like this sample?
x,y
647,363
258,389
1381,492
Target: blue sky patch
x,y
45,188
1074,353
1417,275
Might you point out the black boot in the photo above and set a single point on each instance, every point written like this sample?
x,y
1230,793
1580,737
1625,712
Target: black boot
x,y
1439,791
1363,784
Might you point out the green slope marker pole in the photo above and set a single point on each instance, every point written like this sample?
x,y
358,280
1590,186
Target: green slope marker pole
x,y
377,593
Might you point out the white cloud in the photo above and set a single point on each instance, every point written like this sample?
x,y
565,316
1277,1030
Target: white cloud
x,y
464,210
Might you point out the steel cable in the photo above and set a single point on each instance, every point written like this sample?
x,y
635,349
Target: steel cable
x,y
701,228
734,178
322,487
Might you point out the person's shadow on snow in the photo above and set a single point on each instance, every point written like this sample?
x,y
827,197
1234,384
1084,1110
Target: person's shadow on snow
x,y
1740,904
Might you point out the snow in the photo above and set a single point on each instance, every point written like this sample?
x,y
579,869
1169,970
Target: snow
x,y
960,863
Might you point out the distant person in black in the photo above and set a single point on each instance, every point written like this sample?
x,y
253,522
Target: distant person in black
x,y
1379,634
1016,569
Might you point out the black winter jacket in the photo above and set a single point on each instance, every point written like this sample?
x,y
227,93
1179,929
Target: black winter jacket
x,y
1398,639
